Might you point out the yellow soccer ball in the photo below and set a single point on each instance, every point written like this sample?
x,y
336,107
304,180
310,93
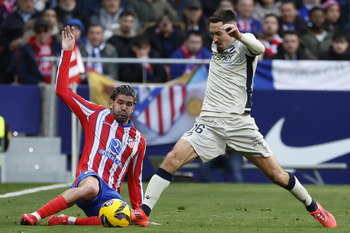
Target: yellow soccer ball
x,y
115,213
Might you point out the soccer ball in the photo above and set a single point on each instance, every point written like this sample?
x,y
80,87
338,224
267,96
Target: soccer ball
x,y
115,213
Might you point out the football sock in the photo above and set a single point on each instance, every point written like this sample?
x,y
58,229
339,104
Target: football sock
x,y
299,192
71,220
156,186
92,221
52,207
312,207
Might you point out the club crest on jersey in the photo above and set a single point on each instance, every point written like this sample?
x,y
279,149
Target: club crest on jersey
x,y
131,142
114,151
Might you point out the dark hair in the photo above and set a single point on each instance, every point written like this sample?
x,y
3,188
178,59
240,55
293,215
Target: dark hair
x,y
291,32
224,16
340,35
193,32
141,40
126,13
124,90
289,2
41,24
316,8
166,14
94,25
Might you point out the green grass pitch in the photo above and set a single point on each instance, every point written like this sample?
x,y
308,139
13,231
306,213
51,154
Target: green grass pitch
x,y
194,207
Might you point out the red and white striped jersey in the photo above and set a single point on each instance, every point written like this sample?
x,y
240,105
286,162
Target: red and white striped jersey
x,y
111,150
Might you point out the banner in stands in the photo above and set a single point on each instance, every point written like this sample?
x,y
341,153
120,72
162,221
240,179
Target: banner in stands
x,y
303,75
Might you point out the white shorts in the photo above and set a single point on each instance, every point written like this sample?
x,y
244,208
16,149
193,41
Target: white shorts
x,y
210,135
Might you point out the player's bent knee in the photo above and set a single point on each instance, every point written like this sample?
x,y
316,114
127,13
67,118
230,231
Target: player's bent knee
x,y
89,192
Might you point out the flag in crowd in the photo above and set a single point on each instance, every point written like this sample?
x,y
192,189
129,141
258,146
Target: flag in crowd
x,y
164,111
76,66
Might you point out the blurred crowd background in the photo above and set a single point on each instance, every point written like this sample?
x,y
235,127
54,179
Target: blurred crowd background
x,y
289,29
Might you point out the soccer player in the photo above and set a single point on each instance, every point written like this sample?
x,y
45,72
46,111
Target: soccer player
x,y
113,147
225,120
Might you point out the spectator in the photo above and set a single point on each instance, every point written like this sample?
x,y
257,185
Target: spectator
x,y
80,34
165,36
31,69
339,49
124,35
67,9
226,4
107,15
12,33
270,38
246,22
264,7
303,11
191,48
147,11
316,40
290,20
50,15
290,48
95,47
141,48
195,21
332,11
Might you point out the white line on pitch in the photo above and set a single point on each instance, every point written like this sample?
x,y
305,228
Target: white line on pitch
x,y
34,190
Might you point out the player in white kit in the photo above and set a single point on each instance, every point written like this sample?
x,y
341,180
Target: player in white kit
x,y
225,120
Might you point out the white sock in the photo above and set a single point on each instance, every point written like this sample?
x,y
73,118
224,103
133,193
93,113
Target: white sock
x,y
71,220
300,193
37,216
154,189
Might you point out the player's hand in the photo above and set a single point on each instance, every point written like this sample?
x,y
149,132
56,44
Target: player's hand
x,y
232,30
68,38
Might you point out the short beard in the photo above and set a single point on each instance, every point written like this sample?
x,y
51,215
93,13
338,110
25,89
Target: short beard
x,y
121,119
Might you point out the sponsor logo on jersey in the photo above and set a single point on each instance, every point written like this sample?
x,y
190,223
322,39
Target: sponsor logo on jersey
x,y
113,151
223,58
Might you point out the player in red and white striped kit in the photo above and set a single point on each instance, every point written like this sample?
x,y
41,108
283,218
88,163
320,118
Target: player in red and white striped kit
x,y
113,148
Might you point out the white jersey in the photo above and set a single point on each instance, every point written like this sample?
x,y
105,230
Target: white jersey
x,y
230,80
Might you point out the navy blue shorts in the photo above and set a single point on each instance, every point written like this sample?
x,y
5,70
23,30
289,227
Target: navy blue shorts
x,y
92,208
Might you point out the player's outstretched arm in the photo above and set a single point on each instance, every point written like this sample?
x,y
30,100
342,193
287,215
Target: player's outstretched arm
x,y
248,39
68,38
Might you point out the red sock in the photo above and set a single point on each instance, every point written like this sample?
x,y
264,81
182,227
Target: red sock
x,y
94,220
52,207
